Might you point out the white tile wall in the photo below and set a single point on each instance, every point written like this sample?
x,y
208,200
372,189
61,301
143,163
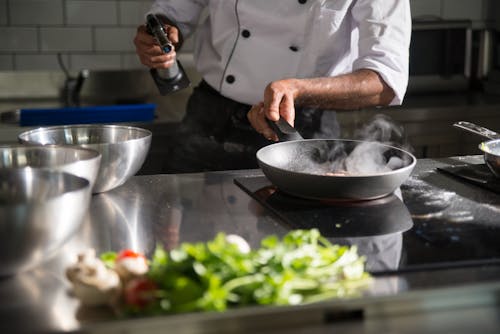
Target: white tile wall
x,y
130,60
133,12
425,8
18,39
6,62
3,12
114,39
35,12
98,62
26,62
91,12
99,33
66,39
463,9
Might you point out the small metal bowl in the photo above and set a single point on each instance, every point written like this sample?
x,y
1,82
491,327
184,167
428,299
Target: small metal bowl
x,y
123,148
71,159
39,211
491,150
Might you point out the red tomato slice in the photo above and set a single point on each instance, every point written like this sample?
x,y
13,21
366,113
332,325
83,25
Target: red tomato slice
x,y
128,253
140,292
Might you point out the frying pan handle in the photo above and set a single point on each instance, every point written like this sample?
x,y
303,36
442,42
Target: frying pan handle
x,y
478,130
284,130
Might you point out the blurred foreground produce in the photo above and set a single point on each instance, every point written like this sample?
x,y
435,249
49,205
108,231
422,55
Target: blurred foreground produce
x,y
223,273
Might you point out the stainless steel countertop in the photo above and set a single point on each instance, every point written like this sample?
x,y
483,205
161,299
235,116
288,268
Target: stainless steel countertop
x,y
169,209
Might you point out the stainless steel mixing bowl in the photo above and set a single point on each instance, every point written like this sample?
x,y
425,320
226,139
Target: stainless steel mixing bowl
x,y
71,159
123,148
39,211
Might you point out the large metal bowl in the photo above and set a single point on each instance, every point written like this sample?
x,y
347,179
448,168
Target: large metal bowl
x,y
71,159
123,148
39,211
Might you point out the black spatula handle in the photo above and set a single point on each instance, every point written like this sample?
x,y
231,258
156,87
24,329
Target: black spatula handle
x,y
284,130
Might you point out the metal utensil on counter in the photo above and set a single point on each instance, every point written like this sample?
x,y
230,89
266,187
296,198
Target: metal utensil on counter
x,y
490,148
39,211
79,161
123,148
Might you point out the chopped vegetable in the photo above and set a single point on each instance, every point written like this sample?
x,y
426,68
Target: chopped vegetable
x,y
93,284
139,292
129,264
129,254
302,267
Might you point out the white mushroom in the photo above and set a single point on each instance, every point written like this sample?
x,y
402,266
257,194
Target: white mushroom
x,y
131,267
239,242
93,283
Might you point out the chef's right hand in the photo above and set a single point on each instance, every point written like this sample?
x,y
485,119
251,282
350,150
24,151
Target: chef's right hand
x,y
258,120
279,98
148,50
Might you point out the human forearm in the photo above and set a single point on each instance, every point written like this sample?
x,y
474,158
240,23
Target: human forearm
x,y
363,88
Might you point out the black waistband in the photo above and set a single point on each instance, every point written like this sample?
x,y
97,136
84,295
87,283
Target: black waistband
x,y
205,86
307,120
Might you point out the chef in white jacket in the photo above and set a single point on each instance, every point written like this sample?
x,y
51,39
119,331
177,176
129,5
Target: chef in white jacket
x,y
290,58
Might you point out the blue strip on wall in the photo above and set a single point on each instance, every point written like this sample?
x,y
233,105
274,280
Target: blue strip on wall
x,y
87,115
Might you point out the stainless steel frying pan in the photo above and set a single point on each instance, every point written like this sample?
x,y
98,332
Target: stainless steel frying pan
x,y
490,148
304,167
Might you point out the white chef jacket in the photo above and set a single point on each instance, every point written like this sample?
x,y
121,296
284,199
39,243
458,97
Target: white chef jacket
x,y
243,45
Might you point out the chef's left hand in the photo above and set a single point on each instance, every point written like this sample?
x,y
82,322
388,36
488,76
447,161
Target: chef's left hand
x,y
279,97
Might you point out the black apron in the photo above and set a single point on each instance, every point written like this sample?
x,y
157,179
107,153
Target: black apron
x,y
215,134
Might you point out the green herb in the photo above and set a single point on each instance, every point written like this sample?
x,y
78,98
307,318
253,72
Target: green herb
x,y
302,267
109,259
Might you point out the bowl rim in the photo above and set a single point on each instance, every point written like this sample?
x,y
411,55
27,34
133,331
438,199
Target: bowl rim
x,y
85,183
79,193
22,136
93,154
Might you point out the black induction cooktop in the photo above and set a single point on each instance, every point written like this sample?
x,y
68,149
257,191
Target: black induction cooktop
x,y
416,228
479,175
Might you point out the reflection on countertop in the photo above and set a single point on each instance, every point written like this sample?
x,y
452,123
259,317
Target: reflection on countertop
x,y
171,209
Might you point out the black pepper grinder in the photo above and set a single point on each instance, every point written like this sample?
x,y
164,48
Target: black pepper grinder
x,y
171,79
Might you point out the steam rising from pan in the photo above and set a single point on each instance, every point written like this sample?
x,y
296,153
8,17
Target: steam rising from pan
x,y
372,153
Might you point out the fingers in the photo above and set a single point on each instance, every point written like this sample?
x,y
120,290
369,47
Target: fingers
x,y
272,100
159,61
257,119
172,34
279,102
143,37
149,52
287,109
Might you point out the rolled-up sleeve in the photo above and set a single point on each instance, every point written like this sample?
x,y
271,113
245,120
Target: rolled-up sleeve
x,y
384,41
185,13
